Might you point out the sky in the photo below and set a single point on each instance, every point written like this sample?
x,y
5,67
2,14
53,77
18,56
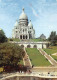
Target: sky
x,y
42,13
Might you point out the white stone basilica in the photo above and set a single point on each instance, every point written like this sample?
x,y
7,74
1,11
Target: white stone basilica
x,y
23,29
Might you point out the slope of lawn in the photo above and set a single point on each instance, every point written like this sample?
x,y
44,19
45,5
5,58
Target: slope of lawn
x,y
36,40
36,58
51,50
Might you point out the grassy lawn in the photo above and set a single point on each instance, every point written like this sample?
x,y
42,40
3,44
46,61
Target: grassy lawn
x,y
36,58
36,40
51,50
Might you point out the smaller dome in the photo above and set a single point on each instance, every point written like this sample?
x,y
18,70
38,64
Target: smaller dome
x,y
16,24
23,15
30,24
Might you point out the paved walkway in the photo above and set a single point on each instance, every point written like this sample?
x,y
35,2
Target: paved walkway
x,y
50,59
34,74
26,60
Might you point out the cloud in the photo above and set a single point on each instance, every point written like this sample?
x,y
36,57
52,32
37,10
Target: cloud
x,y
34,12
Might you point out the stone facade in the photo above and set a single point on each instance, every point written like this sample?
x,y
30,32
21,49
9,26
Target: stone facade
x,y
23,29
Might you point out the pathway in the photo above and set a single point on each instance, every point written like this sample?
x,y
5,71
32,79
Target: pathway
x,y
26,60
34,75
50,59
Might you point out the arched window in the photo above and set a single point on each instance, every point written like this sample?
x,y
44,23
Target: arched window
x,y
23,36
16,31
23,30
20,36
26,36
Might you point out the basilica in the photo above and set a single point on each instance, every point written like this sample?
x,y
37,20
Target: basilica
x,y
23,29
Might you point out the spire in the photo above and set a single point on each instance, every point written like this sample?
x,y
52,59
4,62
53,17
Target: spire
x,y
23,15
23,9
30,20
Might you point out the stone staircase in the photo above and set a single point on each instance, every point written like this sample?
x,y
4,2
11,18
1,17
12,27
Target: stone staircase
x,y
50,59
27,61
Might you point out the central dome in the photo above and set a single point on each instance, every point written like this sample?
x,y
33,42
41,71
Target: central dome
x,y
23,15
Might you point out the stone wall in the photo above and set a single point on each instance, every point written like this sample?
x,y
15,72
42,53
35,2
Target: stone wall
x,y
29,78
34,44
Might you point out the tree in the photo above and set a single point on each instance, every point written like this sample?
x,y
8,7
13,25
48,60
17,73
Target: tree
x,y
53,38
52,35
10,54
3,38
